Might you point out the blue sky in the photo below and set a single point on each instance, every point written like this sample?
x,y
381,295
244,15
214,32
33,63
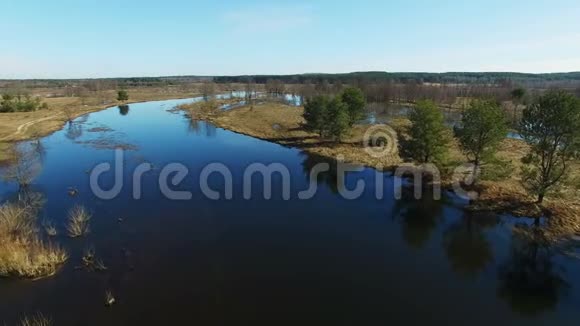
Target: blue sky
x,y
106,38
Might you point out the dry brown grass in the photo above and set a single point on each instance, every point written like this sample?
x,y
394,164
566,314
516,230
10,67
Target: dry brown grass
x,y
282,124
22,251
50,228
505,194
19,126
5,154
78,222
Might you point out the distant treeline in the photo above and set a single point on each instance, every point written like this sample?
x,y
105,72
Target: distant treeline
x,y
403,77
571,79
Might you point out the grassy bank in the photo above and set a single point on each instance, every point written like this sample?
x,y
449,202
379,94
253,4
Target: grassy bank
x,y
282,124
502,192
20,126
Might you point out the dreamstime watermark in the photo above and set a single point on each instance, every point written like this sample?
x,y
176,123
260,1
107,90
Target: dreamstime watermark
x,y
380,141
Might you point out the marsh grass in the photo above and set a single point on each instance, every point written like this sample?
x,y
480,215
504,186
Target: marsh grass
x,y
50,228
91,262
37,320
88,256
109,298
22,251
78,222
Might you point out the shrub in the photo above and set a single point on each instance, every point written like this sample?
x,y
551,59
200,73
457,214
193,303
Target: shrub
x,y
78,222
20,103
37,320
22,252
122,96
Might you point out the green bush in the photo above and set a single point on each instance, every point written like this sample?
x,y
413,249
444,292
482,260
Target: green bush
x,y
20,103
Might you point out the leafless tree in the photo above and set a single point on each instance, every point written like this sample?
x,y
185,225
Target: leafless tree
x,y
69,113
26,168
207,90
307,90
250,92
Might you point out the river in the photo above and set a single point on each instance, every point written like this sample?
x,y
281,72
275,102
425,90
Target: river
x,y
321,261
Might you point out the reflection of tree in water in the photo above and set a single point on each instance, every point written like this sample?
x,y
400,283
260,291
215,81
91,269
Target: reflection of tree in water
x,y
419,218
210,130
123,109
194,126
74,130
27,166
198,127
28,197
328,177
466,245
530,281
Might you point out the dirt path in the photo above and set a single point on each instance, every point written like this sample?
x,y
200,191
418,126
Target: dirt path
x,y
24,127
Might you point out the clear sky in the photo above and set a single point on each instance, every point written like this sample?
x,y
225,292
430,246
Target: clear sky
x,y
112,38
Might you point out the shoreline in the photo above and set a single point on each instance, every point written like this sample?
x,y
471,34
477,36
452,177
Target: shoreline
x,y
501,197
47,125
282,124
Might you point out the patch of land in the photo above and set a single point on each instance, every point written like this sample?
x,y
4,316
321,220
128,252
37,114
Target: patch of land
x,y
20,126
283,124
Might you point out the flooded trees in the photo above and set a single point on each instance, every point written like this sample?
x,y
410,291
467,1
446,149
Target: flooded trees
x,y
275,87
552,128
250,92
26,167
207,90
517,96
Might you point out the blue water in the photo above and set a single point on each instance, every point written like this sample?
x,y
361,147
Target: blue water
x,y
321,261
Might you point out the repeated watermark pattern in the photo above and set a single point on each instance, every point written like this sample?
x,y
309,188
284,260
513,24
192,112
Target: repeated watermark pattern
x,y
379,141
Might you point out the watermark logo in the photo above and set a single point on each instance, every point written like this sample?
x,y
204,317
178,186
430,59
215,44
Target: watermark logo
x,y
380,141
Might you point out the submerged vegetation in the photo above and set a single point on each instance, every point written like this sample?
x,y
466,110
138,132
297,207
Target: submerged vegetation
x,y
78,222
23,252
36,320
479,137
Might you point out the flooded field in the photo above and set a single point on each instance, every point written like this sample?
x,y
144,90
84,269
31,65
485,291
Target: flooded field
x,y
321,261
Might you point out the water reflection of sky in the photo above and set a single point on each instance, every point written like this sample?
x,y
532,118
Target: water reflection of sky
x,y
326,259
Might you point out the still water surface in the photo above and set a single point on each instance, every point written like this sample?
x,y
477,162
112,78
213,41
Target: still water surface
x,y
323,261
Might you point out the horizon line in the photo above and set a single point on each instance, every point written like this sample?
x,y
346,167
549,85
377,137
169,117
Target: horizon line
x,y
297,74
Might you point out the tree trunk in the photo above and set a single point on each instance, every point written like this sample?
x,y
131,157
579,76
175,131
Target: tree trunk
x,y
540,198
